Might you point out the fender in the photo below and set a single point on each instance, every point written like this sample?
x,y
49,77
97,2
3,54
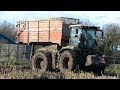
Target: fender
x,y
43,50
66,48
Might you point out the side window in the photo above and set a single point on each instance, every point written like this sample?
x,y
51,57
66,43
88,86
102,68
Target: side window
x,y
76,31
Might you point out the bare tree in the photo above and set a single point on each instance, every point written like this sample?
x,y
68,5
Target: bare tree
x,y
112,37
8,29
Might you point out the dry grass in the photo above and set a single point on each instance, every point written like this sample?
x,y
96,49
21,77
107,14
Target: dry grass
x,y
86,75
29,74
21,70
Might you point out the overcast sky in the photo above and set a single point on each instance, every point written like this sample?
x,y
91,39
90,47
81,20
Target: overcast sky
x,y
96,17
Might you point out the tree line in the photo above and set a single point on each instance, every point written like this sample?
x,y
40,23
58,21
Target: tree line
x,y
8,29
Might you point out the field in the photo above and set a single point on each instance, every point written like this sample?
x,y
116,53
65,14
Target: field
x,y
22,70
10,69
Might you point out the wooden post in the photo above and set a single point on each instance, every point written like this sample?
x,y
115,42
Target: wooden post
x,y
8,51
25,52
115,66
17,52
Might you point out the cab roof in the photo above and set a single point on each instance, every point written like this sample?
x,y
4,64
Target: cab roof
x,y
81,25
86,26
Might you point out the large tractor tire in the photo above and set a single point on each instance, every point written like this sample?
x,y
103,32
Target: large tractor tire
x,y
67,61
41,61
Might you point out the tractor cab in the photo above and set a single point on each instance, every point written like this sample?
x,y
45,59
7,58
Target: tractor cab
x,y
84,36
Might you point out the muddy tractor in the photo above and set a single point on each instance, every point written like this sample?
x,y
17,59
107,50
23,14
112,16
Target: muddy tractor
x,y
64,44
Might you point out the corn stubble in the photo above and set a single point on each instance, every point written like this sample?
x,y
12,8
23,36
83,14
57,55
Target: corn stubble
x,y
29,74
22,70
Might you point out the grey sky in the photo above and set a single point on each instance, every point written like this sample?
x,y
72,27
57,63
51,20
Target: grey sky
x,y
96,17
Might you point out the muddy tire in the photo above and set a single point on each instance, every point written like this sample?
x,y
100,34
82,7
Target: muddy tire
x,y
67,61
41,62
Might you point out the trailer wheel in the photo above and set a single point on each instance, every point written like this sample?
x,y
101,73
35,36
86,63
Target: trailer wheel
x,y
41,61
67,61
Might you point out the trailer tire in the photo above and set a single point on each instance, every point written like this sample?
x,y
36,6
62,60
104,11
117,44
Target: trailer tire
x,y
41,61
66,61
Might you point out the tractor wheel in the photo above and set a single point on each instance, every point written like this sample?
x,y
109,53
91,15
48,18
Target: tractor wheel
x,y
41,61
67,61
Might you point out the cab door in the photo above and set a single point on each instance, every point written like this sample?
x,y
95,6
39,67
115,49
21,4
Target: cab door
x,y
75,36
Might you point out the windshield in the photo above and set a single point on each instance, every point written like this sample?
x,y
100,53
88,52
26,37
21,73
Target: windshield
x,y
88,37
83,37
